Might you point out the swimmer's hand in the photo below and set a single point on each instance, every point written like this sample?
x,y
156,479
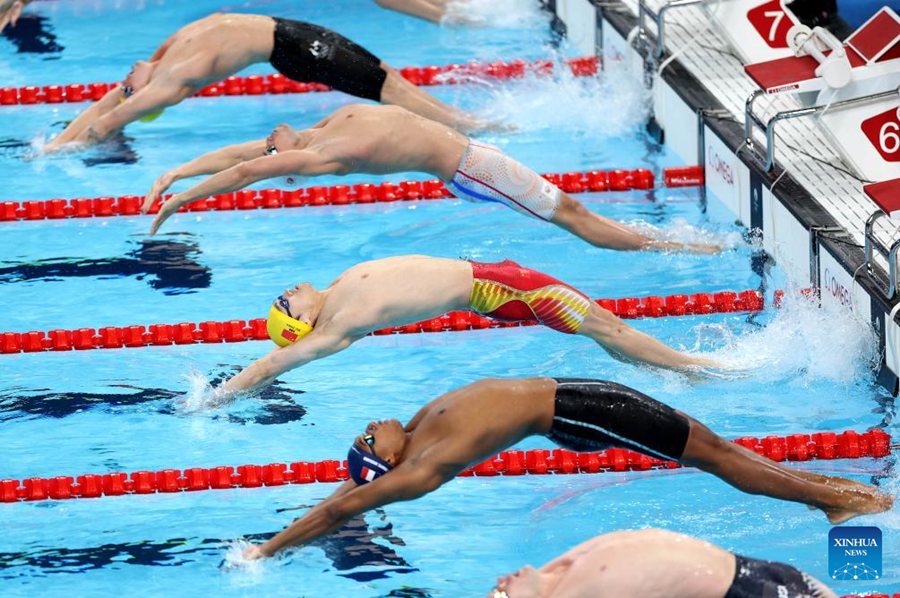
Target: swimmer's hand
x,y
160,186
253,553
168,208
10,12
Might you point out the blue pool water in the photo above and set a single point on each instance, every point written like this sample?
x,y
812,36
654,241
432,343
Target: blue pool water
x,y
126,410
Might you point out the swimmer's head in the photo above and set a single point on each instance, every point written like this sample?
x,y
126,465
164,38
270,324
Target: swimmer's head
x,y
138,77
284,138
293,314
527,582
377,451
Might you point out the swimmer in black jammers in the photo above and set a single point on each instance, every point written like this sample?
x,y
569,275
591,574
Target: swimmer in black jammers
x,y
391,462
618,564
215,47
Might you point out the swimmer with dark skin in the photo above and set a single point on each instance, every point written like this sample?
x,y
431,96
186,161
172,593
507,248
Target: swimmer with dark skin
x,y
681,566
388,139
215,47
472,423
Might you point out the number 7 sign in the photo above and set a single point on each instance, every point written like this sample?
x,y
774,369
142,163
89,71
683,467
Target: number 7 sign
x,y
771,22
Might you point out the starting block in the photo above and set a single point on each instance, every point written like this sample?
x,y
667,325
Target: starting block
x,y
756,29
856,85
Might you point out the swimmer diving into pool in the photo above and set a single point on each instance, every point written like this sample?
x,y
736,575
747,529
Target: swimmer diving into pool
x,y
391,462
681,566
217,46
309,324
387,139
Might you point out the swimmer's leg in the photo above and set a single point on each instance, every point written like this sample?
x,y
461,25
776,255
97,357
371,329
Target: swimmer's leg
x,y
400,92
629,344
600,231
840,499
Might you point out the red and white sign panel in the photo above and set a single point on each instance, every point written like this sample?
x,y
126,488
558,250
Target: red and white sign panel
x,y
878,36
756,29
886,196
883,132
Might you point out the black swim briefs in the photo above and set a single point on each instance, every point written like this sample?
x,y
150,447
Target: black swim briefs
x,y
754,578
593,415
312,54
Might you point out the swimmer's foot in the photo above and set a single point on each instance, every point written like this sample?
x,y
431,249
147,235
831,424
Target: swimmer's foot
x,y
866,502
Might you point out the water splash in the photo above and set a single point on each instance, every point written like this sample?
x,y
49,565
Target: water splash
x,y
244,571
613,103
803,340
510,14
679,230
201,395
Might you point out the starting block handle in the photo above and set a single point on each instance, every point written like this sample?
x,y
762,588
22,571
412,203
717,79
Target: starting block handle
x,y
645,11
890,254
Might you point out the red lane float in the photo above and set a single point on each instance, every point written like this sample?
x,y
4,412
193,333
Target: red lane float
x,y
796,447
585,66
336,195
233,331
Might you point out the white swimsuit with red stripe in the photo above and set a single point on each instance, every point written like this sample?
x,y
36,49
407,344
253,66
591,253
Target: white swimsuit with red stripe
x,y
487,174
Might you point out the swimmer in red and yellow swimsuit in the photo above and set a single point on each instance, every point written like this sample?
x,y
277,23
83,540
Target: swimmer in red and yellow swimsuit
x,y
507,291
309,324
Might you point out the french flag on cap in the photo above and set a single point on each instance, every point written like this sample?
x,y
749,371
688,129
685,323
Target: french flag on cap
x,y
367,474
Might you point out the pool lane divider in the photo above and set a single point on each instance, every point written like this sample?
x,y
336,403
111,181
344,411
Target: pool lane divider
x,y
233,331
795,447
336,195
274,84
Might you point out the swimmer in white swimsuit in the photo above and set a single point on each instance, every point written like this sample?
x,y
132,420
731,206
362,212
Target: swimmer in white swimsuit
x,y
388,139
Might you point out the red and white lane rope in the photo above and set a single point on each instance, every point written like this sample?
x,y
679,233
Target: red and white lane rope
x,y
279,84
795,447
335,195
232,331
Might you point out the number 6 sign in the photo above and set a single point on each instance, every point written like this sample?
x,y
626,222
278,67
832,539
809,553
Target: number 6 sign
x,y
883,132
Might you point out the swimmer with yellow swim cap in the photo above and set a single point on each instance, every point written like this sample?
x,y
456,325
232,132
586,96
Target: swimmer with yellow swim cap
x,y
282,328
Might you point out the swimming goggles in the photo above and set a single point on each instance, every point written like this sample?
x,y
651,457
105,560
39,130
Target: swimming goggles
x,y
370,440
127,91
499,594
285,305
271,150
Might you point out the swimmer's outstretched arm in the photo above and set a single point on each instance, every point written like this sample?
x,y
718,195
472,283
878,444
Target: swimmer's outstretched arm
x,y
210,163
86,118
294,162
430,10
146,101
262,372
405,482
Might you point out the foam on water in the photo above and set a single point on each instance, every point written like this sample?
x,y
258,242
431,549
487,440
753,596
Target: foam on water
x,y
201,395
569,103
496,13
243,571
803,340
680,231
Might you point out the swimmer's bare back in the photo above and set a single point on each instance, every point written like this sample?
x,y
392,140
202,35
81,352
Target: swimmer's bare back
x,y
387,139
215,47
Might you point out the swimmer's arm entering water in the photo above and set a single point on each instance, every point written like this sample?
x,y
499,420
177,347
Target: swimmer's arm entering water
x,y
262,372
407,482
209,163
86,118
144,102
294,162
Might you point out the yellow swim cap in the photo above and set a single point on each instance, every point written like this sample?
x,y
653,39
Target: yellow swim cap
x,y
152,116
285,330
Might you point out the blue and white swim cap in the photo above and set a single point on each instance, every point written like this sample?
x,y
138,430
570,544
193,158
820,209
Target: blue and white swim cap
x,y
365,467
